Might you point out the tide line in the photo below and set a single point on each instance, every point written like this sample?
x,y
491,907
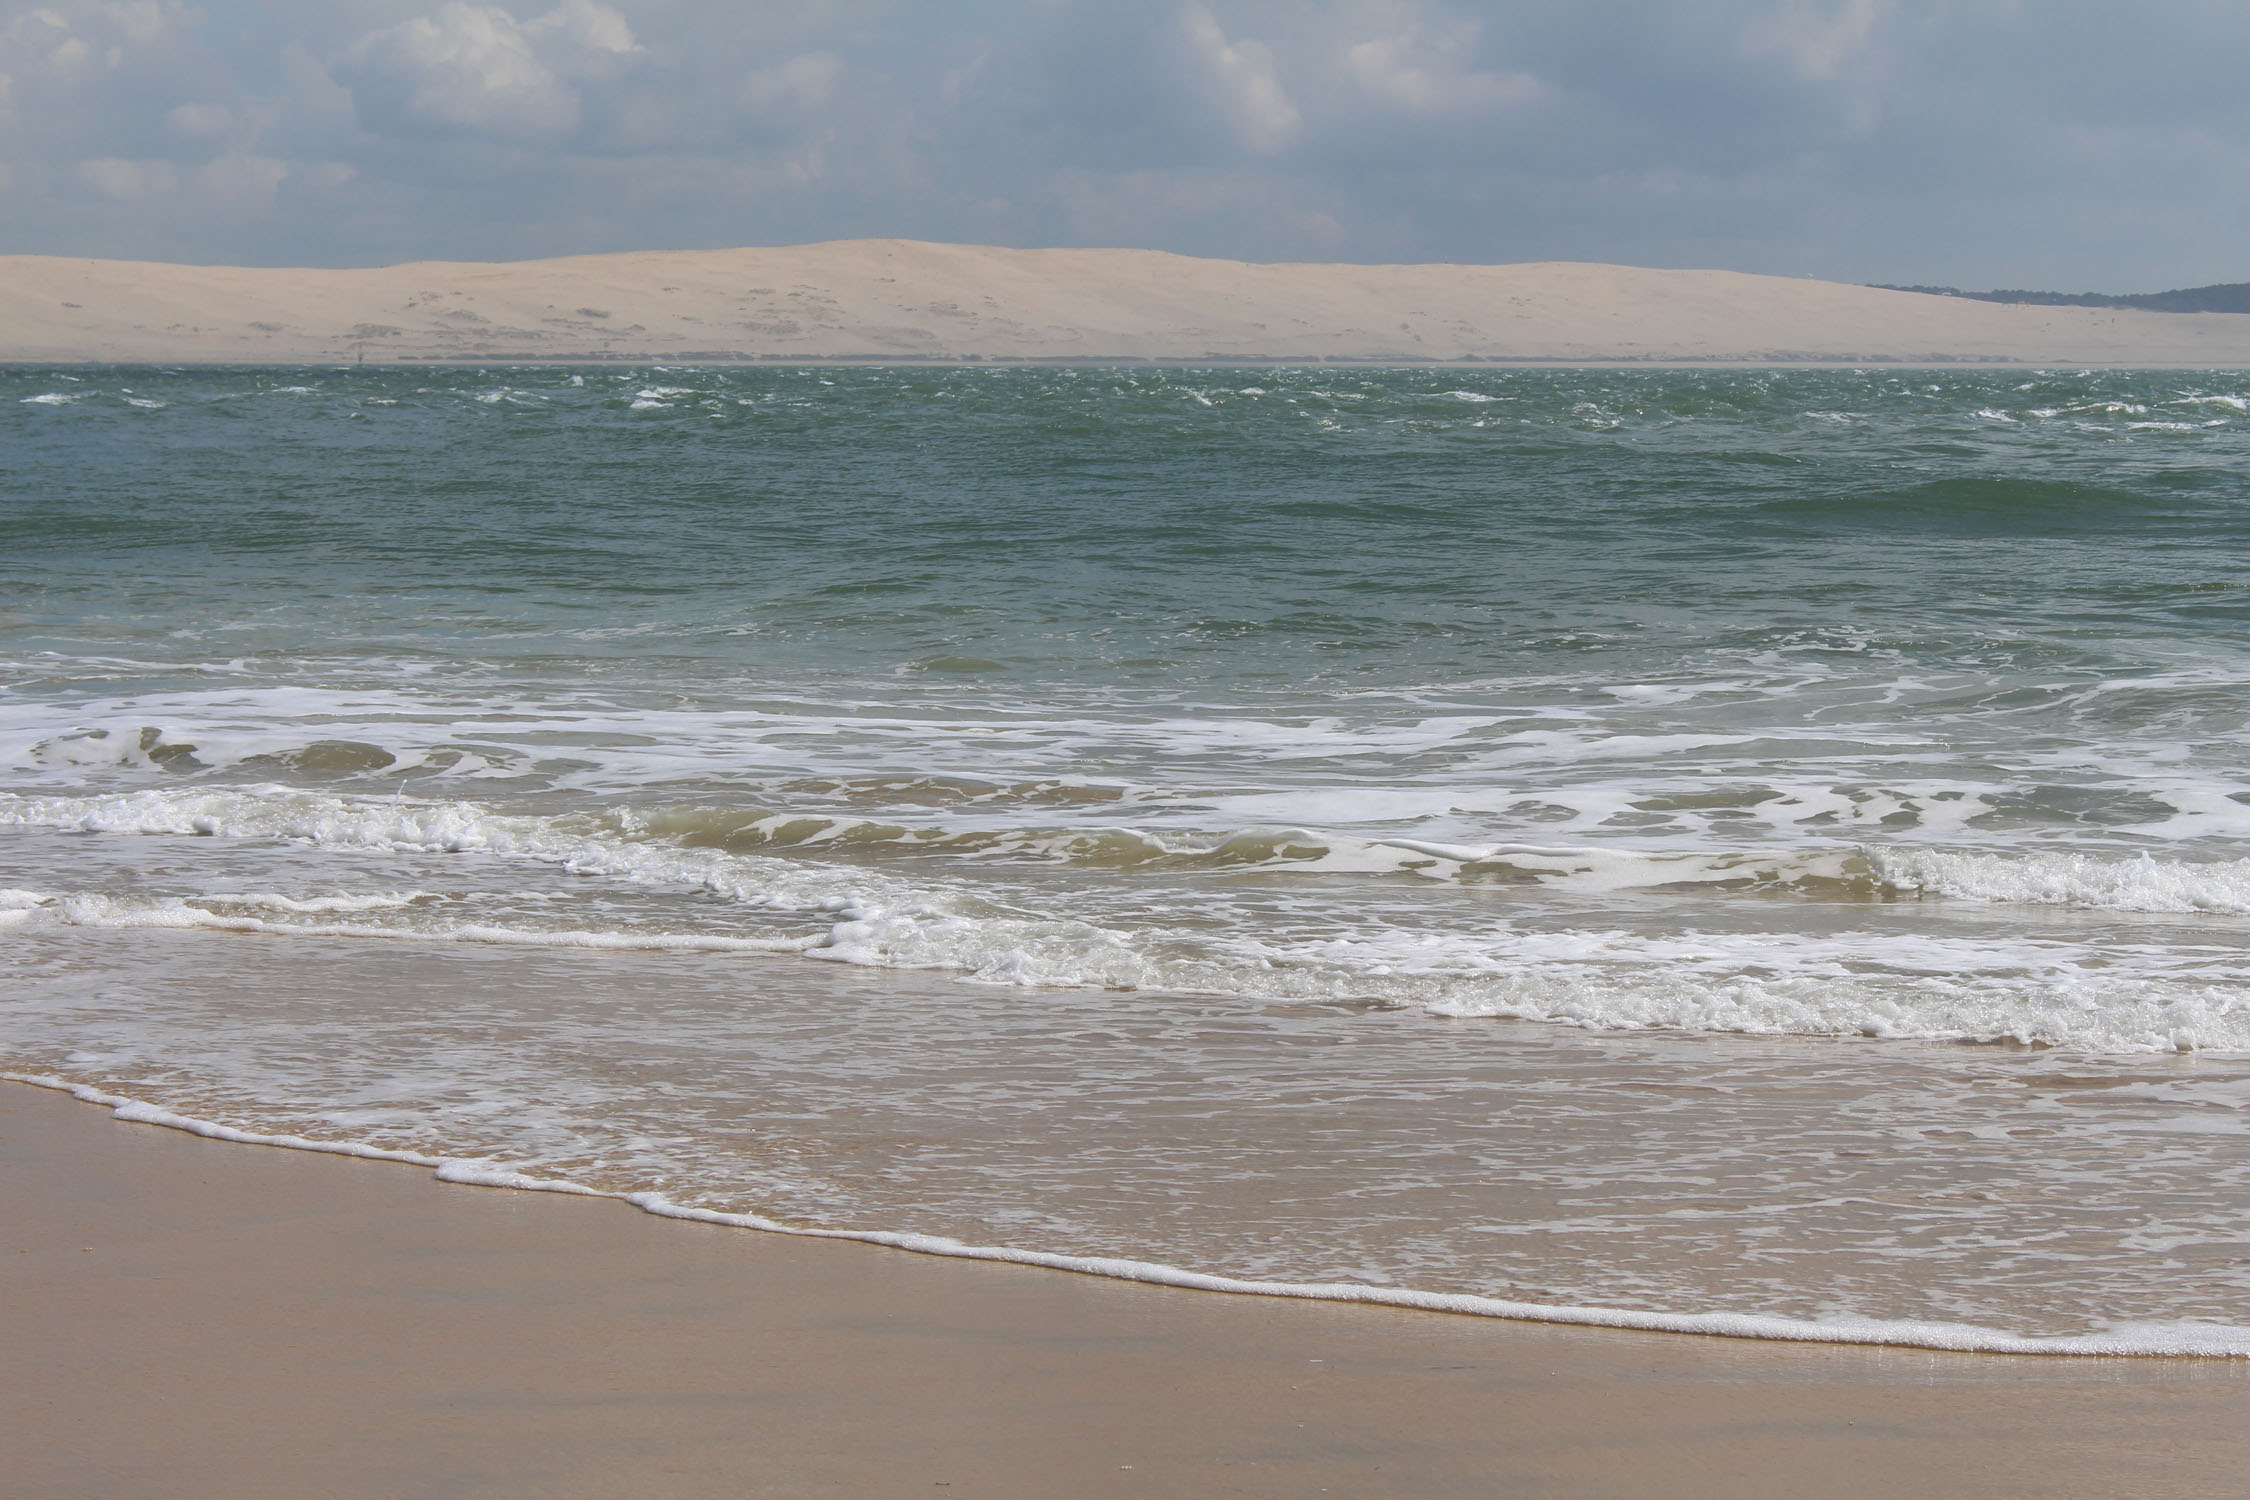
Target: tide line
x,y
2143,1340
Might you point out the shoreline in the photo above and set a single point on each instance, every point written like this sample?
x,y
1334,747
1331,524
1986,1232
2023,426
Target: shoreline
x,y
260,1322
2187,1341
1120,363
780,362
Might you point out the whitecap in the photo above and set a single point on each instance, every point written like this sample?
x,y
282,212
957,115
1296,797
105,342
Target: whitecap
x,y
2064,995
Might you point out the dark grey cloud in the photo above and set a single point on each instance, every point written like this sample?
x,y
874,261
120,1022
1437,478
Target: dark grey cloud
x,y
2067,143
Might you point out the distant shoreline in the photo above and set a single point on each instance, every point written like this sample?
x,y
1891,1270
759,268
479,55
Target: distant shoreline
x,y
2222,297
900,302
1066,362
1094,362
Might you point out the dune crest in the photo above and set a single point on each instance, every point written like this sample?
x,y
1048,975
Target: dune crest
x,y
906,300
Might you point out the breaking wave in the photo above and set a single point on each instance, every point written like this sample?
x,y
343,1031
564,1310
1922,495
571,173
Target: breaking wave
x,y
941,915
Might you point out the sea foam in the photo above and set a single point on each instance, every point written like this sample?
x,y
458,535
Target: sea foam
x,y
2148,1339
2118,998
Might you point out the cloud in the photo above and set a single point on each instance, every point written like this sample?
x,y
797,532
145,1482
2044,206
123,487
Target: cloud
x,y
195,121
1817,41
84,80
1985,142
466,70
122,181
471,70
1427,79
800,84
1119,208
1242,81
586,26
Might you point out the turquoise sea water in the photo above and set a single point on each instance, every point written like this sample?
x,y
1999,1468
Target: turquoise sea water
x,y
1691,842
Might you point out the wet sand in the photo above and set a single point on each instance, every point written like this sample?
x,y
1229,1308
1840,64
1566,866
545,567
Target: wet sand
x,y
895,301
190,1318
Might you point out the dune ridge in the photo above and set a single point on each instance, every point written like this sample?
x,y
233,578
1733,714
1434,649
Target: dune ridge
x,y
893,300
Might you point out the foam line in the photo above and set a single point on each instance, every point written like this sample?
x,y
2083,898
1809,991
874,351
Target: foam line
x,y
769,867
2144,1340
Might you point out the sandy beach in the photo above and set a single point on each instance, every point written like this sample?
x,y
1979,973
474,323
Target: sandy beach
x,y
911,301
1076,752
199,1319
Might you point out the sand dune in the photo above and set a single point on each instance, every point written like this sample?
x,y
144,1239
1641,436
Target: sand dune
x,y
908,300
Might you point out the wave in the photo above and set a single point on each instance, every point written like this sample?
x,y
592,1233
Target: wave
x,y
2177,1339
1592,979
2141,883
232,913
2113,999
1871,872
694,845
1974,506
1277,848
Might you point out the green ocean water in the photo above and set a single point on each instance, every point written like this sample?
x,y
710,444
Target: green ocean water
x,y
1051,807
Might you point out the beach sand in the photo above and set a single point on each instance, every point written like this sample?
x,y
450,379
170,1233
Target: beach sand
x,y
906,300
189,1318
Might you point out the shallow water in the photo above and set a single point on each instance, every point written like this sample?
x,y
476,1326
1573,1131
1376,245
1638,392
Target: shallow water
x,y
1748,842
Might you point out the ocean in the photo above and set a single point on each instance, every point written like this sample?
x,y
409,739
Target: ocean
x,y
1748,851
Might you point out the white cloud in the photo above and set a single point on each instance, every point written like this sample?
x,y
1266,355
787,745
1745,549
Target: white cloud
x,y
1817,41
323,176
140,20
1243,83
243,177
239,179
801,83
123,181
92,80
32,40
1145,207
196,121
476,70
65,37
1810,134
588,26
1422,76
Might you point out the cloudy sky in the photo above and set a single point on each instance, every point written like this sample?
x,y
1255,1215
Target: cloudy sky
x,y
2045,143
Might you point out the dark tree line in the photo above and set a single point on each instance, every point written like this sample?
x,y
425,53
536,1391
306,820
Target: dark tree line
x,y
2227,297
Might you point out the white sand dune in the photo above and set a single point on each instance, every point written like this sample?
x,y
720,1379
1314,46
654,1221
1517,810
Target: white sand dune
x,y
909,300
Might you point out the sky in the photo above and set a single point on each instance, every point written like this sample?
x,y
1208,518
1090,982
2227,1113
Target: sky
x,y
2055,144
